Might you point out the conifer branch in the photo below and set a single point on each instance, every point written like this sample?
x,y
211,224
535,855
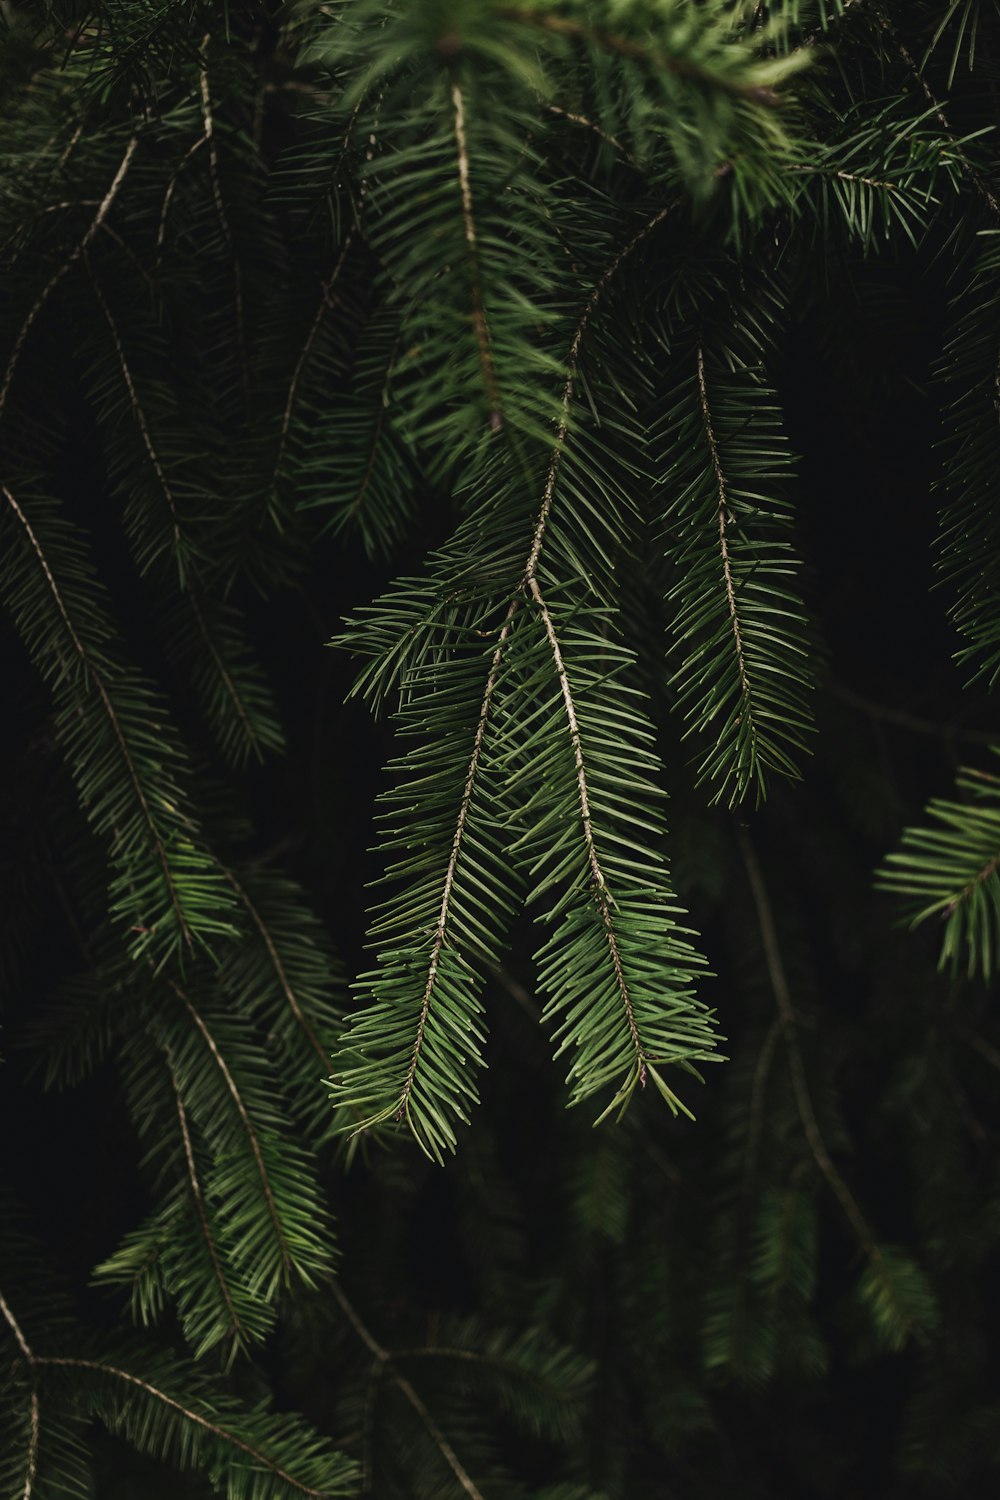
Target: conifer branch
x,y
327,302
603,898
786,1012
971,170
380,415
383,1358
529,585
102,692
590,306
479,324
236,1326
169,194
246,1122
71,145
225,676
803,1099
140,417
31,1461
67,265
651,57
18,1332
189,1415
587,124
281,974
184,554
227,234
727,571
440,930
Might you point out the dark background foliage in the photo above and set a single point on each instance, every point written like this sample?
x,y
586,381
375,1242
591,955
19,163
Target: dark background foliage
x,y
701,1293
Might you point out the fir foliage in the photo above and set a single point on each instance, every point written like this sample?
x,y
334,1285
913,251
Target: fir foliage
x,y
468,334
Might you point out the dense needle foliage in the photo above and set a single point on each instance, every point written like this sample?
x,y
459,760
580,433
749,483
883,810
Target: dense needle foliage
x,y
613,388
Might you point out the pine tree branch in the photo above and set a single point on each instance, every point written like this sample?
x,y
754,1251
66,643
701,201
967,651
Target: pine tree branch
x,y
280,972
651,57
603,899
227,234
723,516
31,1461
596,293
972,172
236,1326
582,120
327,303
383,1358
102,692
380,415
189,1415
529,586
169,194
225,676
803,1099
479,324
67,265
456,846
246,1122
140,415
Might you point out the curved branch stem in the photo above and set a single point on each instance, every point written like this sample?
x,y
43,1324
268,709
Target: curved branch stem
x,y
723,521
220,207
222,1433
479,323
236,1327
109,709
281,973
383,1359
103,210
245,1120
31,1462
803,1099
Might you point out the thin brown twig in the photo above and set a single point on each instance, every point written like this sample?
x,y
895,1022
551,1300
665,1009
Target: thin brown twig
x,y
912,721
383,1357
972,172
34,1435
723,519
582,120
479,323
189,1414
169,194
327,301
220,208
800,1086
